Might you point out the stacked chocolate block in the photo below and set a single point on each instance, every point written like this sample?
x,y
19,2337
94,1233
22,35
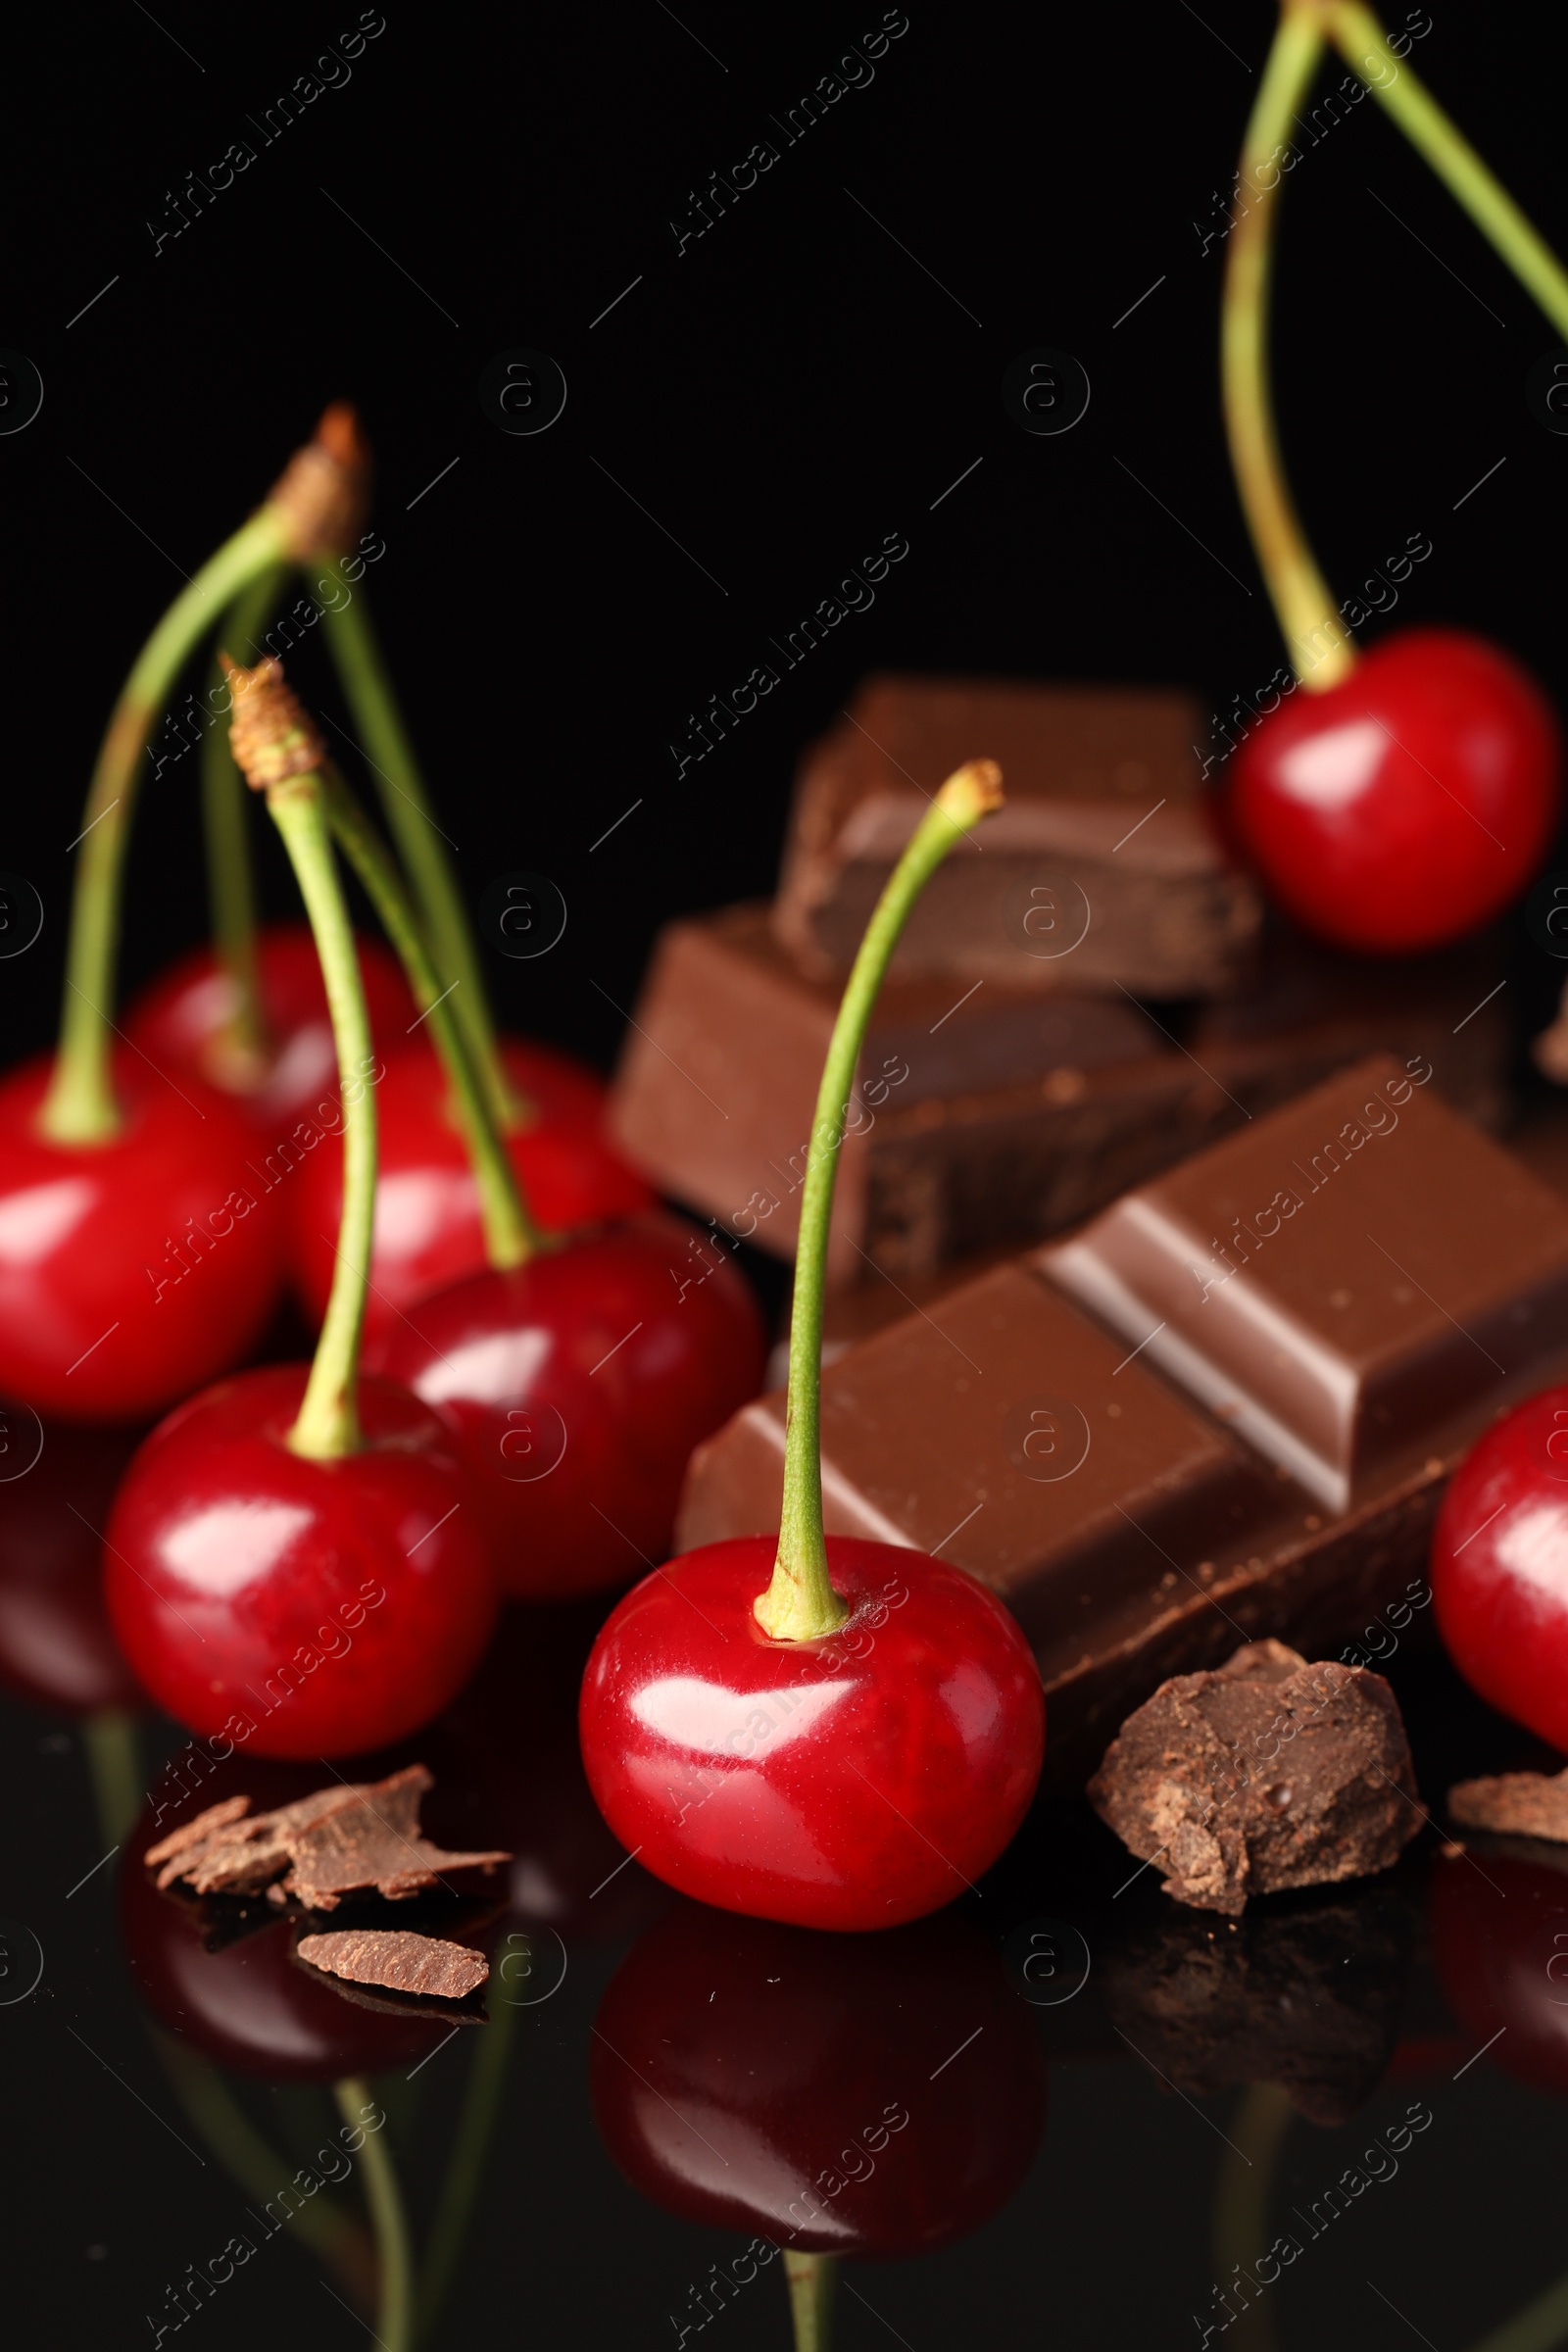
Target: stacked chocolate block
x,y
1253,1278
1086,994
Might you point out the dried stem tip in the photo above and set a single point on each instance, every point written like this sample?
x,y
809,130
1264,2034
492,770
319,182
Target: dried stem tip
x,y
270,734
325,489
971,792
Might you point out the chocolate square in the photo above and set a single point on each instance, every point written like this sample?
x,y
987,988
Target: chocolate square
x,y
1102,870
1337,1278
1004,1432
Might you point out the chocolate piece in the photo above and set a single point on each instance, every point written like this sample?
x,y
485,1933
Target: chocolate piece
x,y
397,1961
339,1840
1337,1279
1170,1535
1523,1804
1261,1774
986,1119
1307,1999
1103,871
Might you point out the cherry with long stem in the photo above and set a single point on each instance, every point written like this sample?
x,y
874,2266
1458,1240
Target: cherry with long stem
x,y
346,1489
584,1345
1403,797
854,1745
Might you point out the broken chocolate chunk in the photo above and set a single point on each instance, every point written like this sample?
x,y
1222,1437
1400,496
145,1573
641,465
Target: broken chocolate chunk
x,y
342,1840
398,1961
1520,1804
1261,1774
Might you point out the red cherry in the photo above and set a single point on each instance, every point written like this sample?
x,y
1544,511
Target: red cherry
x,y
56,1644
180,1021
1499,1566
331,1605
761,2079
577,1387
1499,1935
249,2004
855,1781
1405,805
427,1224
135,1269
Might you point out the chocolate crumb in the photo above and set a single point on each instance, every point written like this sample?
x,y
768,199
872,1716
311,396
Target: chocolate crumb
x,y
1526,1805
398,1961
340,1841
1262,1773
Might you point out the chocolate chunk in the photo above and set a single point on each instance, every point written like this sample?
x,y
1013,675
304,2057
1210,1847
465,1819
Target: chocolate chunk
x,y
1144,1554
339,1840
1523,1804
1103,871
1307,1999
1338,1278
397,1961
988,1117
1247,1779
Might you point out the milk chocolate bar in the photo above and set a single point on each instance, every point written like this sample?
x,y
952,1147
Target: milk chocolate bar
x,y
1103,871
1261,1456
986,1117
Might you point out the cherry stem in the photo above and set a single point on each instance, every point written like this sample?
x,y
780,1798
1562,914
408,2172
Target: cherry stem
x,y
465,2162
394,2317
509,1233
80,1106
1319,647
801,1604
245,1044
1364,46
329,1417
419,840
811,2279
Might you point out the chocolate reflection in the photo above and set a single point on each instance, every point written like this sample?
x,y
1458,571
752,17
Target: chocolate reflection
x,y
1306,1997
850,2094
56,1648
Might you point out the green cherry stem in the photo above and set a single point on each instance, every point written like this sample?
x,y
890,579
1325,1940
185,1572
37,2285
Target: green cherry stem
x,y
811,2279
1319,648
509,1233
394,2250
421,843
801,1604
278,752
80,1106
225,821
1365,48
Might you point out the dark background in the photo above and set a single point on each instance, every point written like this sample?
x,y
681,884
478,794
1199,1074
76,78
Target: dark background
x,y
791,387
779,396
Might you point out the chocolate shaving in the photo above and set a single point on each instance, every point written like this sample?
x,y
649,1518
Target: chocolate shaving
x,y
397,1961
1525,1804
342,1840
1264,1774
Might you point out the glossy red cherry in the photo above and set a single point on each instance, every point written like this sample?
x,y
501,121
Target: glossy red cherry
x,y
180,1022
855,1781
1500,1935
1499,1566
577,1386
330,1605
248,2004
428,1223
57,1646
875,2096
135,1269
1406,805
